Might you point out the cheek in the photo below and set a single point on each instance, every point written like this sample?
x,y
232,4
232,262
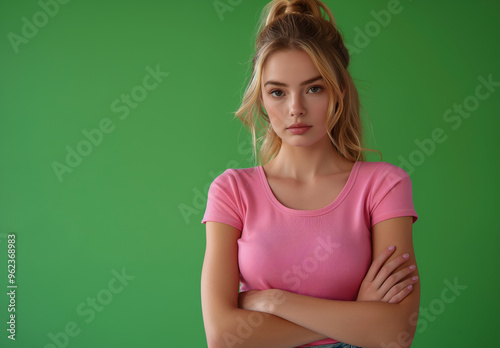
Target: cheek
x,y
272,109
320,107
275,115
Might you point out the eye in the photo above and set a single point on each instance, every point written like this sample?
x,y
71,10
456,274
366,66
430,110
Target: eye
x,y
317,88
274,95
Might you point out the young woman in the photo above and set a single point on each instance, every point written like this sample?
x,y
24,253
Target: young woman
x,y
308,232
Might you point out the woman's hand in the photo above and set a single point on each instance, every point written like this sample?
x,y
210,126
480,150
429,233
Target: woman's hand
x,y
381,284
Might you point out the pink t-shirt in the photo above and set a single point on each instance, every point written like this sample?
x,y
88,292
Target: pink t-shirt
x,y
322,253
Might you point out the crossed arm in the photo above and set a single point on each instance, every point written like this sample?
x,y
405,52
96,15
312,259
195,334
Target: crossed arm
x,y
383,314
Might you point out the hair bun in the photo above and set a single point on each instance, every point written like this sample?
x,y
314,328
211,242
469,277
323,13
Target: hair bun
x,y
278,8
303,6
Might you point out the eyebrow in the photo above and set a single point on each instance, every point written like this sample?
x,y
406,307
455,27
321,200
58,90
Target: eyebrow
x,y
285,85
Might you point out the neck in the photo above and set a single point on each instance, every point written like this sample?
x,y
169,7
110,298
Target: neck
x,y
304,164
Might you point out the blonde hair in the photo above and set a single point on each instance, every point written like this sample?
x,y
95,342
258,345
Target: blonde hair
x,y
300,24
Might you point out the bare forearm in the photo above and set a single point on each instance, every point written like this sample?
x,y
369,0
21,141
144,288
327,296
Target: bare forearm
x,y
246,329
365,323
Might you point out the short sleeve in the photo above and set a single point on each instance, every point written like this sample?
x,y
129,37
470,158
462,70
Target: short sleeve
x,y
223,201
392,195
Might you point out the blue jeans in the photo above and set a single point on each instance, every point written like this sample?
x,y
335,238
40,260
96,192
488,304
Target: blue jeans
x,y
336,345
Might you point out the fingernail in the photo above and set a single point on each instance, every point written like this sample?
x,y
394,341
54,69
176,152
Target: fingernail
x,y
412,267
410,287
415,278
406,256
391,247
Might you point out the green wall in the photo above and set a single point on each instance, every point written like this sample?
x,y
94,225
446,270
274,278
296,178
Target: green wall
x,y
105,194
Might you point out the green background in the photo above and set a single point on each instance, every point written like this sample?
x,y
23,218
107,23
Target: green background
x,y
134,203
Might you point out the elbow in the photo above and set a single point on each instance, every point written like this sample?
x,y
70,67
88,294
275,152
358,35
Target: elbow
x,y
215,337
212,338
401,339
213,342
218,330
221,339
401,332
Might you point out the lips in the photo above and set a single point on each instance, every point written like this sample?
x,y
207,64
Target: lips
x,y
299,125
299,130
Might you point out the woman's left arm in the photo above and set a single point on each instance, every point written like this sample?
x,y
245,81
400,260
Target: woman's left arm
x,y
361,323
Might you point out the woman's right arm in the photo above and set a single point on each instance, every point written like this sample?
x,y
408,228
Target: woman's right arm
x,y
227,325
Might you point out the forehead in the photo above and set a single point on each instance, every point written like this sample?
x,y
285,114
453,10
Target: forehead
x,y
290,66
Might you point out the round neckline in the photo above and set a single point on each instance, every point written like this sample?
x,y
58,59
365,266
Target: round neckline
x,y
343,193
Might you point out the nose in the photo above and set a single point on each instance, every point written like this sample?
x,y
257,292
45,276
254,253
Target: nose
x,y
297,107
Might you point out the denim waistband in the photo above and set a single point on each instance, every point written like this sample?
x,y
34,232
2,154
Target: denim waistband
x,y
335,345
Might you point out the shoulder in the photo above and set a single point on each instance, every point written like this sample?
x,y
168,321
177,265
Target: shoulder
x,y
233,177
379,178
382,172
390,193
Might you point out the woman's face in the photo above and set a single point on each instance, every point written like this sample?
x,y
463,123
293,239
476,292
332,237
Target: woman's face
x,y
293,91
